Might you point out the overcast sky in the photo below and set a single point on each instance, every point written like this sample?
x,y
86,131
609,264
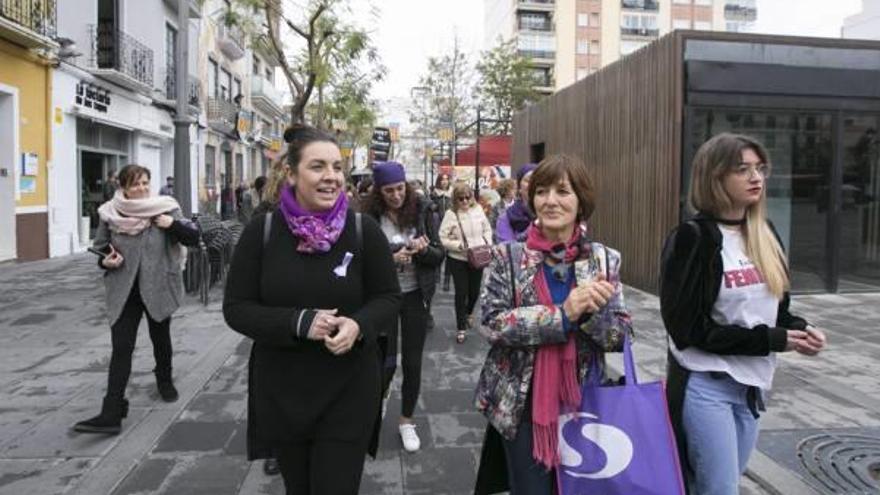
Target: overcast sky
x,y
407,32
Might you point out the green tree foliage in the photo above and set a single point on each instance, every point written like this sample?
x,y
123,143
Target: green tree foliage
x,y
506,84
317,52
447,95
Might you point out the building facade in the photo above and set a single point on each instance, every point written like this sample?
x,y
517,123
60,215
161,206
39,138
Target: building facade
x,y
570,39
814,103
864,25
27,51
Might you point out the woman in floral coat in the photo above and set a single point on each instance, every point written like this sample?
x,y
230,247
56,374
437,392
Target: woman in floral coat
x,y
550,306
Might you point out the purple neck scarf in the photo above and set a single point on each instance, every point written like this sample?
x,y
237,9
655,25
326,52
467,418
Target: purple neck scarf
x,y
317,232
519,216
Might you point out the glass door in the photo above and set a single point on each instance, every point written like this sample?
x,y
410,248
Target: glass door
x,y
859,223
798,191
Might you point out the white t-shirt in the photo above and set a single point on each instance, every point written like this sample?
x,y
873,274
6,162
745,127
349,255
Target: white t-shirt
x,y
745,301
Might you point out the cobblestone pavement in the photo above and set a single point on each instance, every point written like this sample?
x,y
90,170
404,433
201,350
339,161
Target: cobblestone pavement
x,y
54,352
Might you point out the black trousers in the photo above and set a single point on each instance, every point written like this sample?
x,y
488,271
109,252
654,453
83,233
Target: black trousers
x,y
411,328
467,289
124,337
322,467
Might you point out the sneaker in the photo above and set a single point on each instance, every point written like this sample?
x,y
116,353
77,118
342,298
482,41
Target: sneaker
x,y
411,442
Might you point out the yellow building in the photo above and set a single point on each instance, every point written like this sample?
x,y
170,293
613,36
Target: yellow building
x,y
26,48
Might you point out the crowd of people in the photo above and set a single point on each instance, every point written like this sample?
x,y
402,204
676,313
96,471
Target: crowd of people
x,y
325,352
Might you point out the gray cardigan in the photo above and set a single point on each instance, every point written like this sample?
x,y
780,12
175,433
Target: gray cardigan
x,y
150,257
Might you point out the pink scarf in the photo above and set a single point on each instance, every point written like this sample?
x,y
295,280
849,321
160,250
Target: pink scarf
x,y
555,378
132,216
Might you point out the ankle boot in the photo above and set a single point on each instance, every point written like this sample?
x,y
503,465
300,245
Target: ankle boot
x,y
166,386
109,421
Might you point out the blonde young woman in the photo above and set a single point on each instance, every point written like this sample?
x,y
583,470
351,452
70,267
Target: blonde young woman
x,y
464,226
725,303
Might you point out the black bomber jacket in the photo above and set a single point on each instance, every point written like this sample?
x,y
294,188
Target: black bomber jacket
x,y
690,279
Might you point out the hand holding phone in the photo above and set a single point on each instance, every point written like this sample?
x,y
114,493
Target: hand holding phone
x,y
112,260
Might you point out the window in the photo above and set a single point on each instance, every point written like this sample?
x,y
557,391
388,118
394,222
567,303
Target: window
x,y
682,1
237,87
170,58
681,24
703,26
703,2
595,20
583,20
594,47
583,47
582,73
210,167
639,24
225,85
269,75
534,22
537,45
256,66
213,79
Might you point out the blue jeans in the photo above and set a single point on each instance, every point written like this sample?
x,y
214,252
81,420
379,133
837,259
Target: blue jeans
x,y
721,433
525,475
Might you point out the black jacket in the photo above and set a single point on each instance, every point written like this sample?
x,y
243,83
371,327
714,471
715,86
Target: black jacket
x,y
293,382
427,262
690,279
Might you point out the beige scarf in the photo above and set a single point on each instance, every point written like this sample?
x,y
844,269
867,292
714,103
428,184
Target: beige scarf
x,y
133,216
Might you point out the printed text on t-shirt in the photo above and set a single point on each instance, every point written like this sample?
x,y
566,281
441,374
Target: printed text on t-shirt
x,y
742,277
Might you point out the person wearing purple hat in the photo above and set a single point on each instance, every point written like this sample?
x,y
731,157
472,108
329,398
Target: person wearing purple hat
x,y
406,219
512,224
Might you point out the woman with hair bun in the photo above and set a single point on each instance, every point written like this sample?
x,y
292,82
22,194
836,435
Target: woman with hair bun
x,y
300,287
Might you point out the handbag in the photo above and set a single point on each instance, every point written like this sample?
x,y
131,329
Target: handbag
x,y
620,440
478,257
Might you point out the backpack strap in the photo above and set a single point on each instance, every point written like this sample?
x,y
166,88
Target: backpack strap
x,y
267,228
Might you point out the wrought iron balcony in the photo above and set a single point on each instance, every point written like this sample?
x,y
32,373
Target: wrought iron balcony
x,y
30,23
194,86
652,5
222,115
118,57
230,41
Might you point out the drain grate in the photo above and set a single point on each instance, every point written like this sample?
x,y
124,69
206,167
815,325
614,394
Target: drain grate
x,y
842,463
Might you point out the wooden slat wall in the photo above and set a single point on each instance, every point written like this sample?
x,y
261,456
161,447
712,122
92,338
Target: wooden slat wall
x,y
625,122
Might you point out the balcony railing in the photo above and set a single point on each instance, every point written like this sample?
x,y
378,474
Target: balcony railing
x,y
194,86
537,53
546,26
222,115
37,16
230,40
546,2
651,5
734,12
644,32
114,51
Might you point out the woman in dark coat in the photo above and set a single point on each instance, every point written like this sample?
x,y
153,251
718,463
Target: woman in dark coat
x,y
300,287
405,218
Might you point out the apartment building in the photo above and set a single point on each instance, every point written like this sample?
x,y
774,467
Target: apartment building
x,y
27,49
864,25
570,39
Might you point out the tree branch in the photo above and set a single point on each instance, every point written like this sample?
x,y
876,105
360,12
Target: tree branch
x,y
279,53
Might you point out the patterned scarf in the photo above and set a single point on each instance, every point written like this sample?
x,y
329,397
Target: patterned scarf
x,y
555,378
317,232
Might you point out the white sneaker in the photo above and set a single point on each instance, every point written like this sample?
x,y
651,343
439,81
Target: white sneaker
x,y
411,442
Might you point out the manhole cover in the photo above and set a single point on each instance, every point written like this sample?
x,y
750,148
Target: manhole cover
x,y
842,463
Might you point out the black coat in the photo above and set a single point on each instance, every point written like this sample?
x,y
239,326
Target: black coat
x,y
690,279
294,382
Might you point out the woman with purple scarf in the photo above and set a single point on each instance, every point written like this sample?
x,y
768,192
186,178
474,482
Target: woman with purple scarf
x,y
301,288
512,224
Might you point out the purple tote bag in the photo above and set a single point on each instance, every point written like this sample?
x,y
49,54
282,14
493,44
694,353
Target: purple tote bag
x,y
620,440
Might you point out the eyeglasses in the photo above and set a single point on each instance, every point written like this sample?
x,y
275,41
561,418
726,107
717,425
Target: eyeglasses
x,y
747,170
464,198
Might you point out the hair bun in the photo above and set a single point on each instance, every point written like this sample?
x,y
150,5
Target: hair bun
x,y
291,132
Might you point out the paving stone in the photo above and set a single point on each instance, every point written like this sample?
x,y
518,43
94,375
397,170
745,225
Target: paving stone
x,y
194,436
146,478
